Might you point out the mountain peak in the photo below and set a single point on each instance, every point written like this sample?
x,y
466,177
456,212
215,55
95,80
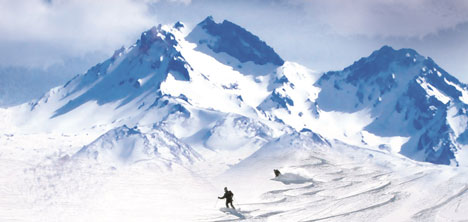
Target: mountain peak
x,y
119,52
178,25
407,94
208,20
387,52
385,61
156,34
234,40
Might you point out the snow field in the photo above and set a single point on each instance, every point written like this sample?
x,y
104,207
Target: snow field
x,y
158,130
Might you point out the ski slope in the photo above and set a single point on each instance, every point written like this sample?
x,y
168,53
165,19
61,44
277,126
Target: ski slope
x,y
361,185
319,182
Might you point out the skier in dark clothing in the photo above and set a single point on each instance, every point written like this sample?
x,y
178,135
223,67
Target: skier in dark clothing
x,y
228,195
277,172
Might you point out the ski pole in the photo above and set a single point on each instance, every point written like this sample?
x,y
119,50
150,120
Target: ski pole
x,y
216,202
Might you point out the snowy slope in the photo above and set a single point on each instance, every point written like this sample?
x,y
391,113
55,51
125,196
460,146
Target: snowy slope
x,y
165,81
216,39
141,83
336,182
394,100
321,180
157,130
406,95
123,146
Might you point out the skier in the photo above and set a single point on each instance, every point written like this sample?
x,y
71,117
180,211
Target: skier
x,y
228,195
277,172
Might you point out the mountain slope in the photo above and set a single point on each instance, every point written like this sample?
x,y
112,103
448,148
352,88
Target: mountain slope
x,y
166,82
158,129
343,183
122,146
132,85
394,99
233,40
407,95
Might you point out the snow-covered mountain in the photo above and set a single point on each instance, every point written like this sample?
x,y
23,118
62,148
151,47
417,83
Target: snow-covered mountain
x,y
188,81
393,100
165,81
125,145
160,75
406,95
183,112
229,38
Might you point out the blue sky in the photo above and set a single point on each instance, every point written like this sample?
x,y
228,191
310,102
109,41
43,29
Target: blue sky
x,y
321,34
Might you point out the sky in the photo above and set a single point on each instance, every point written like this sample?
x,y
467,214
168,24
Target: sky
x,y
320,34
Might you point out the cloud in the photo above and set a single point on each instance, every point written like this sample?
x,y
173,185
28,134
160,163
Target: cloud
x,y
399,18
313,32
35,32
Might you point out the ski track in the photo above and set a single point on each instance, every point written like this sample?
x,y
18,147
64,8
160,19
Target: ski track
x,y
333,189
424,214
330,192
350,192
356,211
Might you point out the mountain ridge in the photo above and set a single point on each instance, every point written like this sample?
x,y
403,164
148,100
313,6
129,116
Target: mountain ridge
x,y
236,41
392,98
423,94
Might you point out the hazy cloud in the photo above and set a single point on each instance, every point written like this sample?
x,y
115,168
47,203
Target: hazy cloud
x,y
38,31
407,18
322,34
